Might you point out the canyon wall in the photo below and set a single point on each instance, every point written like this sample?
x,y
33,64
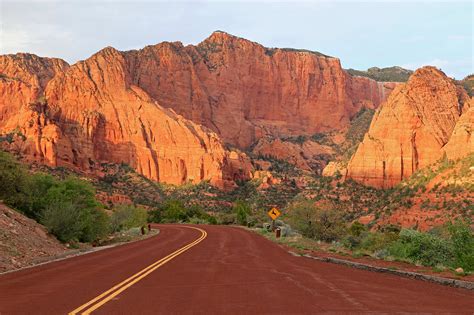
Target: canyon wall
x,y
92,113
244,91
421,121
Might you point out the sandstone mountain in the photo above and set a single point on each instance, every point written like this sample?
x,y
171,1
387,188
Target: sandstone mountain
x,y
91,112
164,109
244,91
421,121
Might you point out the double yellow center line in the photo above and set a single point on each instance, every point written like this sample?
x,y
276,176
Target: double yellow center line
x,y
108,295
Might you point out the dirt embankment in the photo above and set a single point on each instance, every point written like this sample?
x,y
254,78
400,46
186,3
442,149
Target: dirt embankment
x,y
24,242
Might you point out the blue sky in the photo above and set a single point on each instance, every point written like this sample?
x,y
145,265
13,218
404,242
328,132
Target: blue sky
x,y
361,34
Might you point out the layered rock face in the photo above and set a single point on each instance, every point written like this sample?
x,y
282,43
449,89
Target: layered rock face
x,y
244,91
92,112
23,78
412,129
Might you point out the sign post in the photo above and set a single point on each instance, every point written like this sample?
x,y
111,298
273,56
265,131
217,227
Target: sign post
x,y
273,214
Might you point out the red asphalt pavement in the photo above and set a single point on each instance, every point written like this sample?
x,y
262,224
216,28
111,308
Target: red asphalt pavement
x,y
232,271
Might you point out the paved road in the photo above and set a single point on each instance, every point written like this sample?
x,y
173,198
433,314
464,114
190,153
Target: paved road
x,y
229,270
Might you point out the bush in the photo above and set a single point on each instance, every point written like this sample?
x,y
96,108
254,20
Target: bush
x,y
325,224
14,182
378,241
126,217
174,211
242,211
67,208
63,221
72,212
424,248
39,186
463,245
155,216
357,229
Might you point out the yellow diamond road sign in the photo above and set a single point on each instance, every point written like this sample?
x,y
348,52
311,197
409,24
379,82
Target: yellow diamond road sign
x,y
274,213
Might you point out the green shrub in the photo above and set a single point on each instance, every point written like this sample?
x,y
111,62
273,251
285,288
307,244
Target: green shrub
x,y
463,245
72,212
174,211
63,220
126,217
325,224
424,248
14,181
38,188
242,211
357,228
67,208
377,241
227,218
155,216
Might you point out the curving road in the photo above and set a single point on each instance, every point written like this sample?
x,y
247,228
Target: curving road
x,y
215,269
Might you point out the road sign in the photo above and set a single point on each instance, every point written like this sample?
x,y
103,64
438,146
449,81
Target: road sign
x,y
274,213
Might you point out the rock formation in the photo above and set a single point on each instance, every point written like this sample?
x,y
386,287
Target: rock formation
x,y
244,91
461,142
163,109
412,128
91,112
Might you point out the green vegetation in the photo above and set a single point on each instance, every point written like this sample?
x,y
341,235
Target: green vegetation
x,y
322,223
451,245
126,217
175,211
66,207
468,84
390,74
317,53
71,212
242,211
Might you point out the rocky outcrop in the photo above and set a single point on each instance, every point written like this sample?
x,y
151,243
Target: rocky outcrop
x,y
411,129
334,168
461,142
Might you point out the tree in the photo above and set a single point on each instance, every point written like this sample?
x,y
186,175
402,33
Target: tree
x,y
462,239
14,182
38,187
71,205
126,217
174,211
323,223
242,211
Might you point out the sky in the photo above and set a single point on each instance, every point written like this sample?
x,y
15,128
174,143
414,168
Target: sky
x,y
361,34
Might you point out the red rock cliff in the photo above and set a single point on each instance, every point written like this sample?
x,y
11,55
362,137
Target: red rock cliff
x,y
243,91
91,112
411,129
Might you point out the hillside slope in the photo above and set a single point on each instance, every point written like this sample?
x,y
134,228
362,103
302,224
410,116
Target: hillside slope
x,y
23,241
